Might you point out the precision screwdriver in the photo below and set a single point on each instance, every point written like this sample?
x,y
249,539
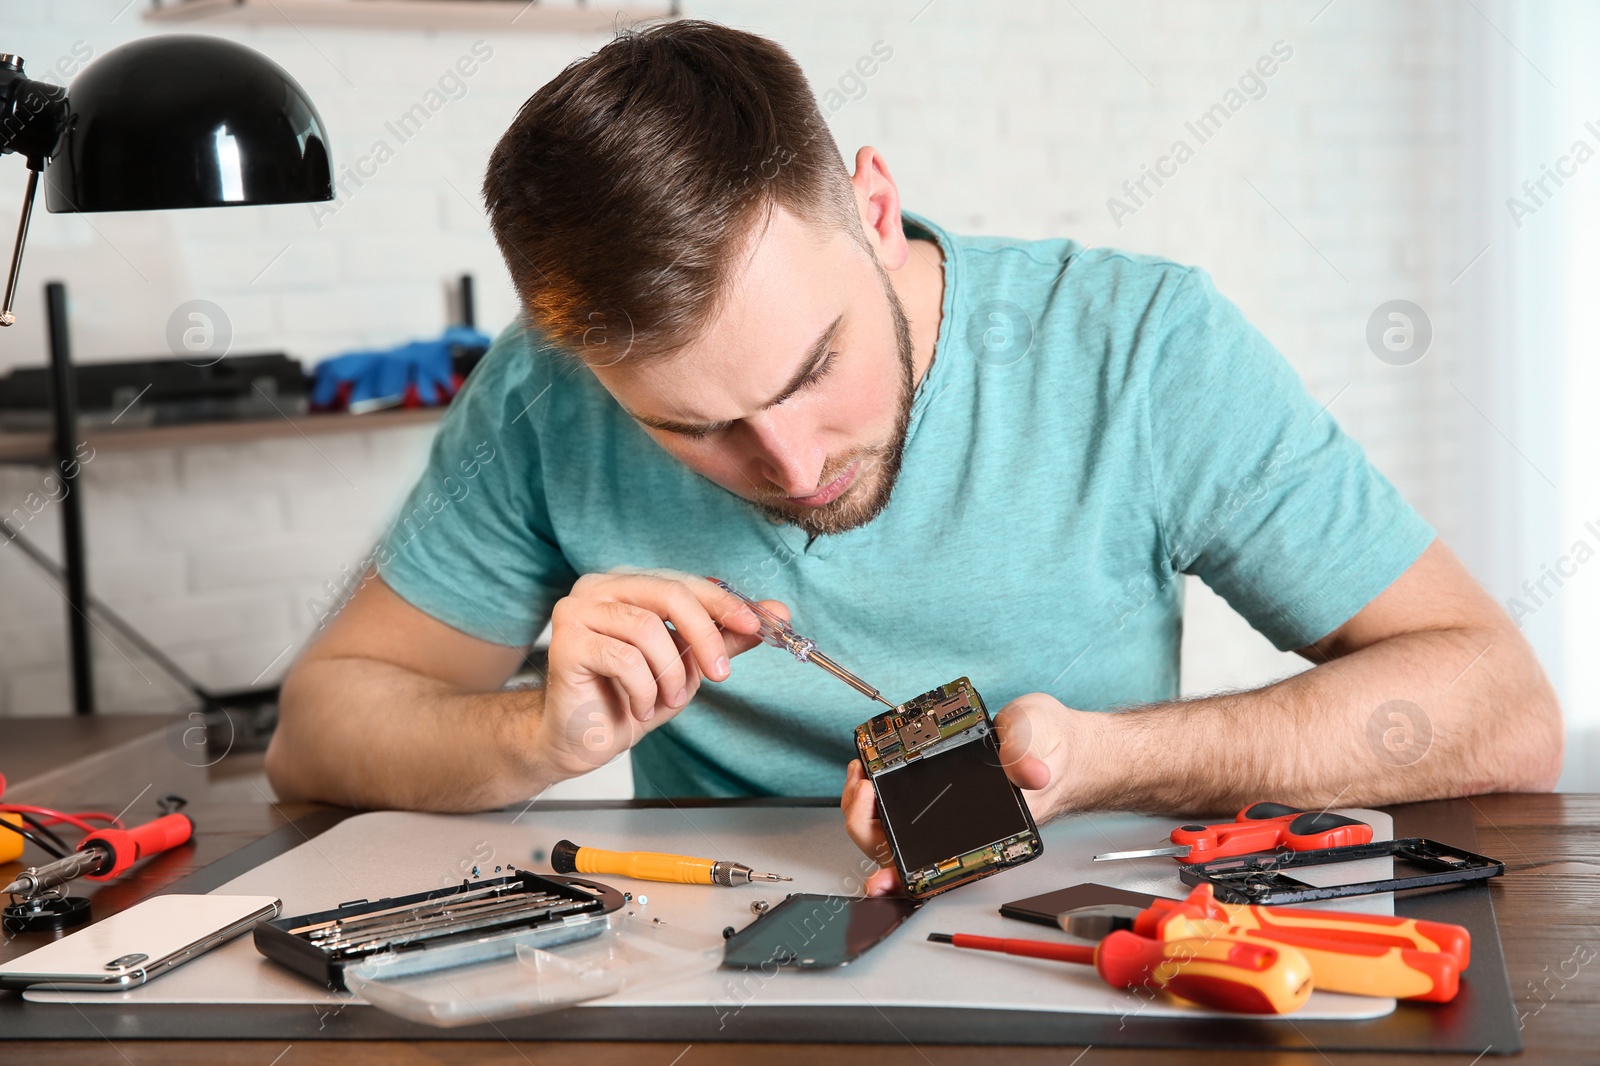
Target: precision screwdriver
x,y
568,858
780,634
1222,971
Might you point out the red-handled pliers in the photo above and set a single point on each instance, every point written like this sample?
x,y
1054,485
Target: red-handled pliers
x,y
1259,827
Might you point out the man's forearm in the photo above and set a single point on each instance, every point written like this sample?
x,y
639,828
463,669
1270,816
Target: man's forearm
x,y
369,734
1424,715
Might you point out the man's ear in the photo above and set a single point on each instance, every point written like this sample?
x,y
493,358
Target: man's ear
x,y
878,203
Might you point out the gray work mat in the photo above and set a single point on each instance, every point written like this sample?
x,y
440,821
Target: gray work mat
x,y
392,853
906,986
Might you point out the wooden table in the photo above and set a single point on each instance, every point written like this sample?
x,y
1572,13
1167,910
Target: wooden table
x,y
1548,905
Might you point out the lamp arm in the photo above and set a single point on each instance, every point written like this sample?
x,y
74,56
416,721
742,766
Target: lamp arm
x,y
6,315
33,115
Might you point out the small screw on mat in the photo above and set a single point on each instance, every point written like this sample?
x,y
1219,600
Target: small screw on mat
x,y
759,906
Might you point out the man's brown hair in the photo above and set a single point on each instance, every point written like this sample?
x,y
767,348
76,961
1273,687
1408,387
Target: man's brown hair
x,y
626,187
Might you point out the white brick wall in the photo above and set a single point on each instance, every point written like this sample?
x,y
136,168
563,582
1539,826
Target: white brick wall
x,y
211,552
1019,118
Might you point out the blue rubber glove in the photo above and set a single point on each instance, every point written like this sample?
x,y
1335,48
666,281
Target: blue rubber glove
x,y
379,378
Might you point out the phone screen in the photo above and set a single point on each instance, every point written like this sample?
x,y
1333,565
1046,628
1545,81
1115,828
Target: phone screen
x,y
950,804
812,931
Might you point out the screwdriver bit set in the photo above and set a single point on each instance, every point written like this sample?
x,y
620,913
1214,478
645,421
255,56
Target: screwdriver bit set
x,y
475,921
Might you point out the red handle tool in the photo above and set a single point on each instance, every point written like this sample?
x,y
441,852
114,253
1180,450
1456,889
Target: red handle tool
x,y
124,847
104,854
1378,930
1220,971
1259,827
1363,954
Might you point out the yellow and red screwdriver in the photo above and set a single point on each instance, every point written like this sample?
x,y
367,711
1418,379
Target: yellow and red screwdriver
x,y
1222,971
1259,827
1361,954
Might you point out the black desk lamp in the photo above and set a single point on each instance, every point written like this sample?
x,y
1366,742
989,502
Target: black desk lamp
x,y
170,121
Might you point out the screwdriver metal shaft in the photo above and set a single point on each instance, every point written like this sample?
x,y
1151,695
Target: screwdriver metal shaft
x,y
780,634
355,928
413,908
459,920
847,677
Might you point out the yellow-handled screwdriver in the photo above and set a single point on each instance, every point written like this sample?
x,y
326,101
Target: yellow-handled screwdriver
x,y
568,858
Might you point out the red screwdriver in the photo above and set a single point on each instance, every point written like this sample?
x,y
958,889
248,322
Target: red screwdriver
x,y
1221,971
1259,827
105,853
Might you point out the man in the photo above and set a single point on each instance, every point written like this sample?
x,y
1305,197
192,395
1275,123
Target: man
x,y
946,456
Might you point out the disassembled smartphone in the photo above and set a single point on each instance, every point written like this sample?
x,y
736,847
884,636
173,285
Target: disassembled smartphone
x,y
950,812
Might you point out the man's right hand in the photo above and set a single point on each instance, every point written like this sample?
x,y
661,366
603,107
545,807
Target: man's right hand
x,y
617,670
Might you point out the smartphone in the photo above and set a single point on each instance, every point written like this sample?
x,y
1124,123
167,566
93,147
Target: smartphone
x,y
809,931
950,812
132,946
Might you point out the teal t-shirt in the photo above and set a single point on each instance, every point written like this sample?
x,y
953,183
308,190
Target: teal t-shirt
x,y
1093,425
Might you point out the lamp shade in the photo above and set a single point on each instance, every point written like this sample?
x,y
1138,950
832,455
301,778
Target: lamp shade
x,y
179,121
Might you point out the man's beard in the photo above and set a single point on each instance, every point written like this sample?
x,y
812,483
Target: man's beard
x,y
869,492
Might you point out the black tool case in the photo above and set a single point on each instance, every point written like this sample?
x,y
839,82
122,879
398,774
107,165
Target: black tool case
x,y
434,930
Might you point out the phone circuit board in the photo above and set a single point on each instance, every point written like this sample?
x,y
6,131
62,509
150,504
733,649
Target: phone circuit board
x,y
915,727
950,812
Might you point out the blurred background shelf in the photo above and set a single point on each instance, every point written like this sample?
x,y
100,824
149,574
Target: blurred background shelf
x,y
529,17
35,448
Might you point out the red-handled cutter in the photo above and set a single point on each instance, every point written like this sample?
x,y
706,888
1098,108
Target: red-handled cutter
x,y
1259,827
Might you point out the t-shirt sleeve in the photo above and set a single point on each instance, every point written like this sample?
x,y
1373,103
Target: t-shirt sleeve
x,y
1260,493
472,545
